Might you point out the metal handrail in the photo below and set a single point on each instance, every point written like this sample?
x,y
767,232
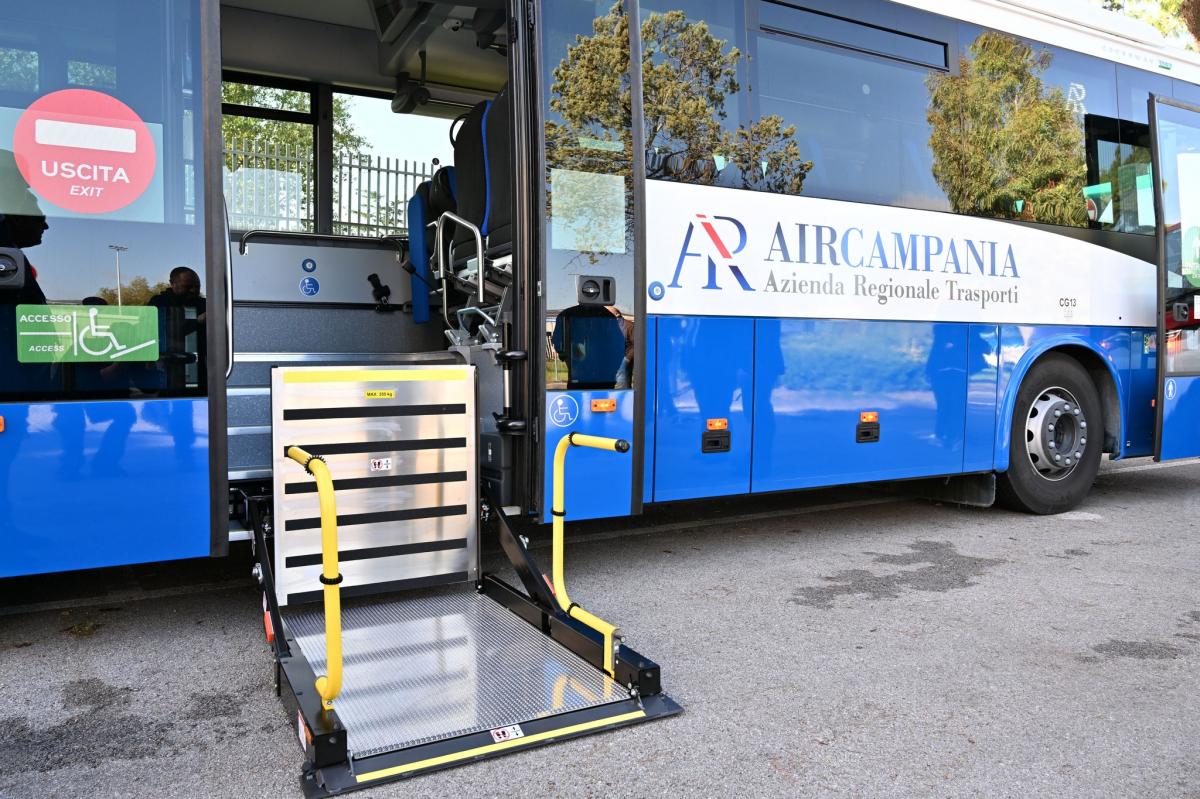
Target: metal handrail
x,y
244,242
557,513
228,295
458,220
329,685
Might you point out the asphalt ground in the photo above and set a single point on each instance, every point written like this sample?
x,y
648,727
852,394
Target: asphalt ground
x,y
843,643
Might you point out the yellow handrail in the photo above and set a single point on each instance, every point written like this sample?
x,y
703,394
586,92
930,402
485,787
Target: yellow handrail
x,y
329,685
608,631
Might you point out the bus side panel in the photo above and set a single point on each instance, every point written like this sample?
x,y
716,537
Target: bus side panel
x,y
980,441
598,483
705,379
815,378
1142,393
91,484
1022,345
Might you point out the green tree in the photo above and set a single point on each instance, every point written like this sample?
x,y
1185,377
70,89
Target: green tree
x,y
136,292
294,135
688,74
18,69
1004,143
1169,16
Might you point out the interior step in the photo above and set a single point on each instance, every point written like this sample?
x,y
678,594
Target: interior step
x,y
431,667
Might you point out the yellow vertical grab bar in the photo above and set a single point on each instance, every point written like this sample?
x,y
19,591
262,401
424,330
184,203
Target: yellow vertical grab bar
x,y
329,685
557,513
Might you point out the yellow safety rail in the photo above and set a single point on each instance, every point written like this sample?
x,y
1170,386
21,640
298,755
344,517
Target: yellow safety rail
x,y
329,685
608,631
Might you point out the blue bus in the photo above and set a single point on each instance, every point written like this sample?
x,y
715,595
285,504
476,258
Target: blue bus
x,y
785,245
426,248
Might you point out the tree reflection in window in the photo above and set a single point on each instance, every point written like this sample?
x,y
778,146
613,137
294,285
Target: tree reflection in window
x,y
687,74
1005,144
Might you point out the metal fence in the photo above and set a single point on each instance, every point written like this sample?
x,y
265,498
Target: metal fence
x,y
271,185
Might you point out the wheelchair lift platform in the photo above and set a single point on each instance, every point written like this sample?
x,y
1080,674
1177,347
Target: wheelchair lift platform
x,y
431,663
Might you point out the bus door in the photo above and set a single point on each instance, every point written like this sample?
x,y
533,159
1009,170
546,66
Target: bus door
x,y
107,304
1176,153
590,367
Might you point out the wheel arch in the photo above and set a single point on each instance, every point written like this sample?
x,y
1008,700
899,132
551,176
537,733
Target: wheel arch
x,y
1100,368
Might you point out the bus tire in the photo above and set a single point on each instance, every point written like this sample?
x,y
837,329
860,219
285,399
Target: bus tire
x,y
1053,458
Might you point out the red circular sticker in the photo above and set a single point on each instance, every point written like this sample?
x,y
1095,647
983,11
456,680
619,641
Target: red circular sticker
x,y
84,151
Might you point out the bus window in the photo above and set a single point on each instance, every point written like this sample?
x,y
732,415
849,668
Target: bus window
x,y
692,146
1134,177
268,134
588,289
379,159
100,200
862,125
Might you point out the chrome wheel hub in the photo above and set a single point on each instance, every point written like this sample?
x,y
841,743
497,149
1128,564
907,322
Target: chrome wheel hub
x,y
1056,433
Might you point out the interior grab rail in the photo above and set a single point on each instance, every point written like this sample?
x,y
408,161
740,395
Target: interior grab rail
x,y
443,269
609,632
329,685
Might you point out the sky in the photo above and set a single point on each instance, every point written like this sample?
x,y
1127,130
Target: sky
x,y
400,135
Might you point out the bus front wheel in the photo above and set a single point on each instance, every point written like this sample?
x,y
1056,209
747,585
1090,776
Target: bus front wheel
x,y
1056,438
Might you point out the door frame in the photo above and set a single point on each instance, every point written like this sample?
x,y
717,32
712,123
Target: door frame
x,y
216,270
1160,236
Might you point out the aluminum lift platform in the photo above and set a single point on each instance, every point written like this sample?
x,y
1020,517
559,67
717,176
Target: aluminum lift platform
x,y
431,662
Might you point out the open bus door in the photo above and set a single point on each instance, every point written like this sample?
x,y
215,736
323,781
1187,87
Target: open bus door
x,y
1175,129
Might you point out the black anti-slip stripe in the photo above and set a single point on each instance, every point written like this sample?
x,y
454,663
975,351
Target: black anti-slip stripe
x,y
310,487
368,411
349,519
383,446
350,591
368,553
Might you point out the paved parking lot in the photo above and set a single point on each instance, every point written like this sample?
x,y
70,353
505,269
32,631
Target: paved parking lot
x,y
862,645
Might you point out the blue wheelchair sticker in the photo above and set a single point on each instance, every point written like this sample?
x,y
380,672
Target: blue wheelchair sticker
x,y
564,411
309,287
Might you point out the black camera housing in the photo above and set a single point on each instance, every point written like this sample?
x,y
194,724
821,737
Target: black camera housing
x,y
13,269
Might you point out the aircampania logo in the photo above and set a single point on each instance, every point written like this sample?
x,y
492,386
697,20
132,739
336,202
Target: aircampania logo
x,y
719,253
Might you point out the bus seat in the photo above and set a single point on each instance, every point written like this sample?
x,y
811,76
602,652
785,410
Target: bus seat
x,y
497,221
432,198
471,179
418,252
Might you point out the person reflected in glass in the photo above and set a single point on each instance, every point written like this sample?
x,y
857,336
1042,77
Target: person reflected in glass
x,y
181,323
596,344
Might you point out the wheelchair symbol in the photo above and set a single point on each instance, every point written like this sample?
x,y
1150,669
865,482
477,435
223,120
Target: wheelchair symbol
x,y
98,333
564,410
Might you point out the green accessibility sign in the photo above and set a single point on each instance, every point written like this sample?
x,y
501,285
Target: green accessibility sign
x,y
86,333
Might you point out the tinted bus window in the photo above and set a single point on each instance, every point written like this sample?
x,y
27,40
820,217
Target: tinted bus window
x,y
692,96
588,291
862,125
1015,128
101,241
1133,164
841,30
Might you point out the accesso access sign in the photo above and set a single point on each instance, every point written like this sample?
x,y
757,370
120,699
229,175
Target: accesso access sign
x,y
86,333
